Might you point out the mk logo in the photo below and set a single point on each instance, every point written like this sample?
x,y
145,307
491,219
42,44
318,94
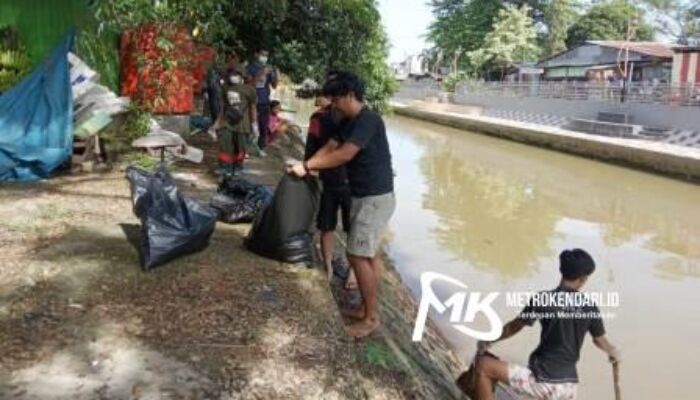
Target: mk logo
x,y
459,316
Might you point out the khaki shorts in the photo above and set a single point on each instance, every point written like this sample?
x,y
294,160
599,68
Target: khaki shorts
x,y
523,382
369,217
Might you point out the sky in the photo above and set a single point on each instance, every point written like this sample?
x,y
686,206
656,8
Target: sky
x,y
406,22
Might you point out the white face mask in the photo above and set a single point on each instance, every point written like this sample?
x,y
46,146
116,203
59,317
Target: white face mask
x,y
235,79
263,59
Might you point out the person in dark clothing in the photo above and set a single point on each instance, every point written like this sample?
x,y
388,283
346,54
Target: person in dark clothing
x,y
215,79
363,147
263,77
236,122
551,372
323,125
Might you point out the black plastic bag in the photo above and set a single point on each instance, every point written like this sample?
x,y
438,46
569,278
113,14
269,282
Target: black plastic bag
x,y
171,224
239,201
282,231
232,186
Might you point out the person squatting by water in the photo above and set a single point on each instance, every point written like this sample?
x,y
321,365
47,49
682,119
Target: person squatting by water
x,y
551,372
324,123
363,148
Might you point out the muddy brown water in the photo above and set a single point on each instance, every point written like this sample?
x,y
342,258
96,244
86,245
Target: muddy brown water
x,y
495,214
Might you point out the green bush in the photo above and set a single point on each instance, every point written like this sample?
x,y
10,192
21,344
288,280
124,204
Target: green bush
x,y
142,160
136,124
450,82
15,63
99,51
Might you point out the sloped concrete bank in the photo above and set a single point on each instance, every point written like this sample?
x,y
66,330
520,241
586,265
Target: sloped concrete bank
x,y
675,161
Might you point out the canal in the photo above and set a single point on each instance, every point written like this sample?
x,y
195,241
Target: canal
x,y
495,214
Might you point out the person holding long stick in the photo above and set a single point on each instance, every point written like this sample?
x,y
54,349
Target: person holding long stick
x,y
551,372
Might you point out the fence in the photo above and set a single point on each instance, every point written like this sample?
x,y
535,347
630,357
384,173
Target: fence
x,y
662,106
418,90
685,95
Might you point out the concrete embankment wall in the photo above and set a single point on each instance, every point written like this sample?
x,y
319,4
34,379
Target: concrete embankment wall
x,y
654,115
669,116
676,161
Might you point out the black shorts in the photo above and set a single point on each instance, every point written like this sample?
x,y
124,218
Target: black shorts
x,y
331,201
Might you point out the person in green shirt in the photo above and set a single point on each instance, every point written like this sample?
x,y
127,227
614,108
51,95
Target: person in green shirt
x,y
237,122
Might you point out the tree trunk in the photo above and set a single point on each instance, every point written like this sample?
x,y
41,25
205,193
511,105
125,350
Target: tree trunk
x,y
455,61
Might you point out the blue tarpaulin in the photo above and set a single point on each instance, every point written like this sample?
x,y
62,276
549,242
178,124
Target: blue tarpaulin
x,y
36,120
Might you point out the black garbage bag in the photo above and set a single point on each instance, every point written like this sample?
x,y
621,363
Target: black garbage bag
x,y
234,187
239,201
171,224
282,231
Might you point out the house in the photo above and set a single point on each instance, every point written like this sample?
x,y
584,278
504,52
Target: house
x,y
412,67
525,72
600,60
686,65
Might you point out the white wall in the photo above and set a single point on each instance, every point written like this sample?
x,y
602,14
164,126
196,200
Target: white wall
x,y
655,115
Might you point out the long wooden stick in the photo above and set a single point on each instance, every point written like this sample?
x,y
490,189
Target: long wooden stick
x,y
616,380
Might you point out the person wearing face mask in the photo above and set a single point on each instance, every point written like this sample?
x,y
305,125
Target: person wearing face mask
x,y
264,77
237,122
215,79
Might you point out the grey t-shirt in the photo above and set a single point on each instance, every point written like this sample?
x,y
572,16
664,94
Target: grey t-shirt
x,y
554,360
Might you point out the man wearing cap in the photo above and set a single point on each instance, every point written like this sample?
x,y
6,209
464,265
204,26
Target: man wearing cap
x,y
551,373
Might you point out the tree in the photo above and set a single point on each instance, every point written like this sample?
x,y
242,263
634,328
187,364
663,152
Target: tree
x,y
307,38
314,37
558,16
512,39
610,20
460,26
679,19
538,8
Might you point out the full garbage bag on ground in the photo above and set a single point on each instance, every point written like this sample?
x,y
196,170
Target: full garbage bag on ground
x,y
171,225
282,231
239,201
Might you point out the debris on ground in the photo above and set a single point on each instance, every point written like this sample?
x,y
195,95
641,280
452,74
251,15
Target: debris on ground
x,y
80,320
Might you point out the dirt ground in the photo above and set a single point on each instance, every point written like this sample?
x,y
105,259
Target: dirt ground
x,y
81,320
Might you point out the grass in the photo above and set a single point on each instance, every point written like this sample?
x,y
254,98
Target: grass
x,y
379,355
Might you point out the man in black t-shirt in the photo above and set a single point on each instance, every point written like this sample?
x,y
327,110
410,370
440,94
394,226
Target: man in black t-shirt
x,y
551,372
362,146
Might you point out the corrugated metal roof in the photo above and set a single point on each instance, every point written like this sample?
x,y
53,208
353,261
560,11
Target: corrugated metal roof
x,y
686,49
654,49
